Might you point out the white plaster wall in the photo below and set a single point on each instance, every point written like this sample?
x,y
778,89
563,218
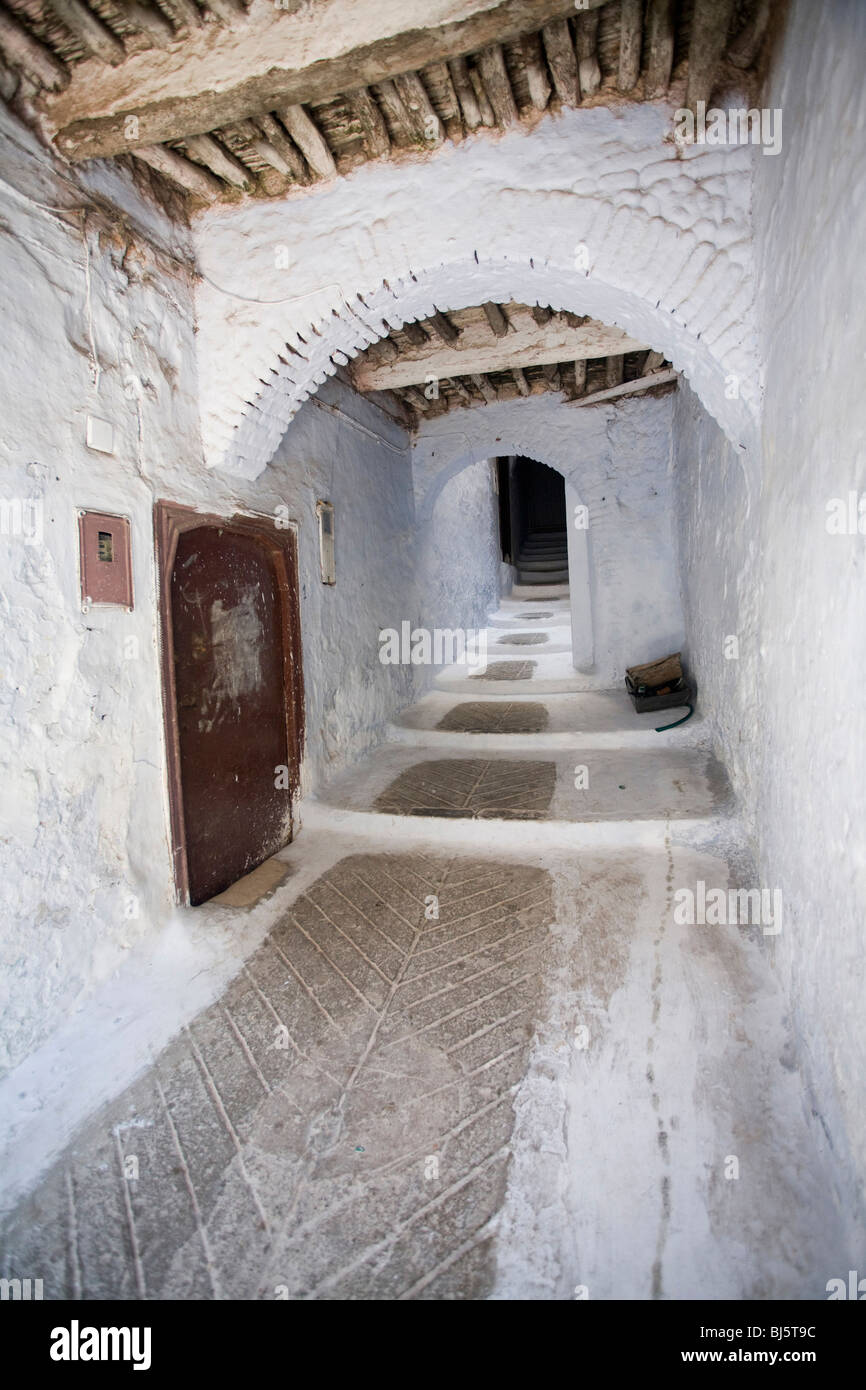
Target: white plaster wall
x,y
458,552
810,230
665,232
101,322
617,461
760,565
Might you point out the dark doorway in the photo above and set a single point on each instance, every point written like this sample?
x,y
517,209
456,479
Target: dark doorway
x,y
233,695
532,520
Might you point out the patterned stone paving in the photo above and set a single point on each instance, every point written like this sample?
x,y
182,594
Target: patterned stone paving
x,y
337,1125
506,671
495,717
523,639
467,787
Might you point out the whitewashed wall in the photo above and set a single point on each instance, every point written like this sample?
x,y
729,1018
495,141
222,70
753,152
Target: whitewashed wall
x,y
104,326
810,230
617,461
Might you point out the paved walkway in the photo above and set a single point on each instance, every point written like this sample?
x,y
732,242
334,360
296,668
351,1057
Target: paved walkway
x,y
472,1060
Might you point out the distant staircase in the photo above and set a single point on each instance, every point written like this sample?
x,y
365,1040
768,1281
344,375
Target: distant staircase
x,y
543,558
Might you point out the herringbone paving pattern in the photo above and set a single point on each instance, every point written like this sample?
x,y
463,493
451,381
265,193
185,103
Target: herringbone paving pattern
x,y
495,717
337,1125
470,787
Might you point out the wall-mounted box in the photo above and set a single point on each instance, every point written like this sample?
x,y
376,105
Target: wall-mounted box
x,y
105,559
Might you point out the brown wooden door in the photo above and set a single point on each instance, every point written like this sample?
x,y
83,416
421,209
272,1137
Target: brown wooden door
x,y
229,633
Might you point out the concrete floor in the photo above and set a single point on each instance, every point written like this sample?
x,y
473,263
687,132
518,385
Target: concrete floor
x,y
474,1056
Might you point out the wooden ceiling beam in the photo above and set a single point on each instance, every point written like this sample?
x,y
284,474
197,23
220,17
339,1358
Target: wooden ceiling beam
x,y
94,36
628,388
661,34
309,140
22,51
586,45
496,318
189,176
710,24
562,61
478,352
276,59
630,43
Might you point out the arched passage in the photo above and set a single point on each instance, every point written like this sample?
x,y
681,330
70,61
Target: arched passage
x,y
656,245
624,587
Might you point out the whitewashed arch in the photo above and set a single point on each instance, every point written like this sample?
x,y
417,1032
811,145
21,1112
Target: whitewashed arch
x,y
667,257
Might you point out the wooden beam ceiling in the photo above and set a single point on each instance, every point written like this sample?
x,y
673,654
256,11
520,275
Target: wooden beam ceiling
x,y
500,339
430,368
282,60
232,100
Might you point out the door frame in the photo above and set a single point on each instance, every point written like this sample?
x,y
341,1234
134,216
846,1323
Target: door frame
x,y
171,520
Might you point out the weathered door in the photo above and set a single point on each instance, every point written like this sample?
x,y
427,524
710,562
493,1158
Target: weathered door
x,y
229,635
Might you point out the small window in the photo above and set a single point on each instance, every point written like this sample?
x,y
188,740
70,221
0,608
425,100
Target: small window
x,y
105,548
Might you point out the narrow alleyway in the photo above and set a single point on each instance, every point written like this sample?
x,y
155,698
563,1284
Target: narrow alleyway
x,y
473,1060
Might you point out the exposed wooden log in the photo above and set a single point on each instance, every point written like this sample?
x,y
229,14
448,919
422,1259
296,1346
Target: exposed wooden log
x,y
536,71
443,327
628,388
459,69
278,140
483,384
651,362
415,398
437,78
747,45
181,171
397,117
208,151
520,381
228,11
386,350
417,337
377,141
496,318
542,313
478,351
424,121
22,51
550,372
660,46
488,115
188,14
630,41
88,28
580,377
494,75
710,24
270,63
309,140
150,20
562,61
586,44
460,390
613,370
